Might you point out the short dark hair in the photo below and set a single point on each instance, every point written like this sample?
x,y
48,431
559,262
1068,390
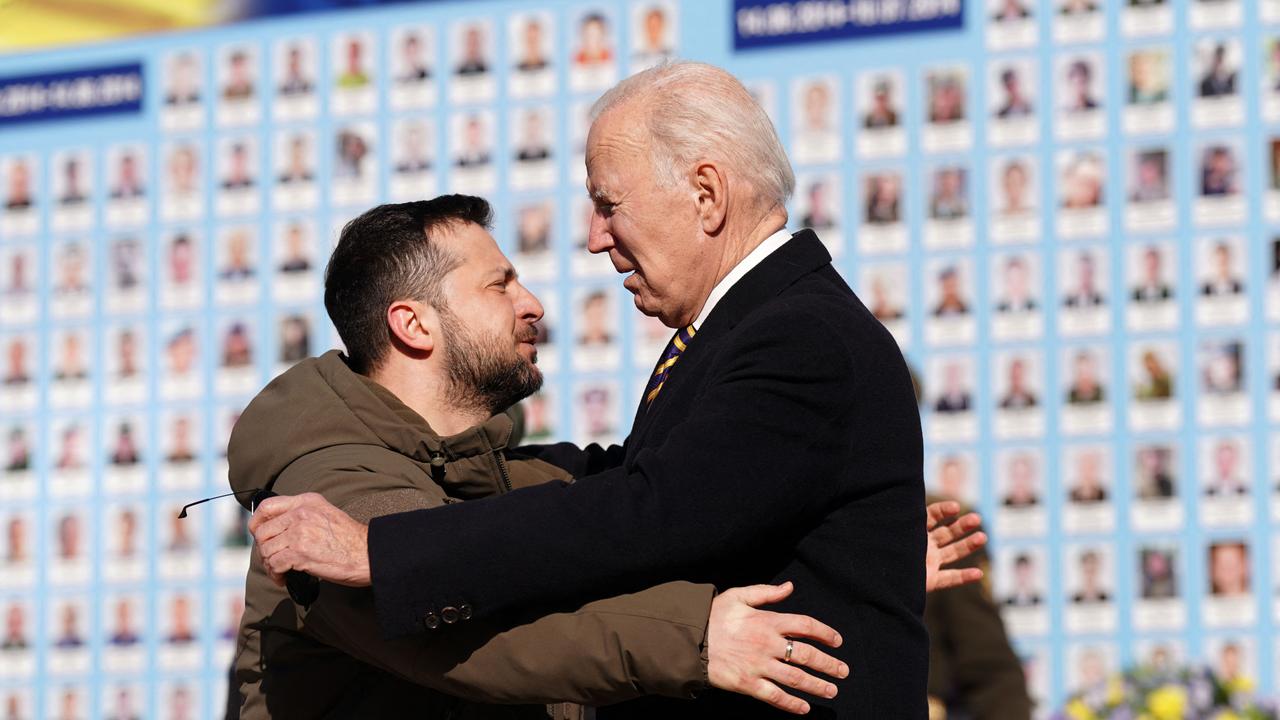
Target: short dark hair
x,y
391,253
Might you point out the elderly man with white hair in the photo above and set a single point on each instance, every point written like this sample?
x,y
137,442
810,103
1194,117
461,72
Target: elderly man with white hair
x,y
777,439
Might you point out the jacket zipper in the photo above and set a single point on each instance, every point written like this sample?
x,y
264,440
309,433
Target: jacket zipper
x,y
502,468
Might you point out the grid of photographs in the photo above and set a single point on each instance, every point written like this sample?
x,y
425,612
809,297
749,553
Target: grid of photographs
x,y
1067,214
1095,251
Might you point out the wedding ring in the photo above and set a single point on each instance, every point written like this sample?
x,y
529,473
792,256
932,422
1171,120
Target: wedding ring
x,y
786,656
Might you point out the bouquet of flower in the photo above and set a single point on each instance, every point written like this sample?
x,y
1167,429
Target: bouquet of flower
x,y
1164,693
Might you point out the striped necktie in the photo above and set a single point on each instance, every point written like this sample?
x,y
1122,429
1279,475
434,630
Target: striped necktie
x,y
678,343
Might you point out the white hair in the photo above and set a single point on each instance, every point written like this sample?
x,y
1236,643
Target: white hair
x,y
694,111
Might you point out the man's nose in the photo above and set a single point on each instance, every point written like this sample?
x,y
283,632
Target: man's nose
x,y
528,307
598,238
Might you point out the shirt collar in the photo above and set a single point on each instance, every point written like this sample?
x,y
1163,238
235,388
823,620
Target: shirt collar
x,y
744,266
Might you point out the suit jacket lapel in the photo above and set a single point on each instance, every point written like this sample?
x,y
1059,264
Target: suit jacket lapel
x,y
799,256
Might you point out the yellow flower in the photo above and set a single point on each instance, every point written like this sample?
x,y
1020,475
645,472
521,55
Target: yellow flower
x,y
1239,684
1079,711
1167,703
1226,715
1115,691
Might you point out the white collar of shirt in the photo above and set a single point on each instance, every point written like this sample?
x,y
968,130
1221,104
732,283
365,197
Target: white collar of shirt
x,y
744,266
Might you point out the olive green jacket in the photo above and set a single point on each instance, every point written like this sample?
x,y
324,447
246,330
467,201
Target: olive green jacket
x,y
321,427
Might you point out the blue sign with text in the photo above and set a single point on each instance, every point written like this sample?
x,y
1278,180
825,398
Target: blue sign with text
x,y
768,23
71,93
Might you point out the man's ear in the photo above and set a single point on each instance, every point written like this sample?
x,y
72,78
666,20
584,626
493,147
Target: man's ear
x,y
414,327
712,197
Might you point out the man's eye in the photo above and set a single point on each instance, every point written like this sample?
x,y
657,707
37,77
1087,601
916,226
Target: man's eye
x,y
501,285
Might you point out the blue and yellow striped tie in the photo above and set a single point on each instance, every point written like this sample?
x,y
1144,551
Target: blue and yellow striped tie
x,y
677,346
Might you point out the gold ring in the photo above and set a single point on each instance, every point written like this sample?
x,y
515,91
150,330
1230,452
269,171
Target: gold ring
x,y
786,656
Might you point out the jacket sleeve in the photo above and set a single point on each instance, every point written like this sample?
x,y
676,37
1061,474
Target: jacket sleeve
x,y
752,460
578,462
649,642
646,643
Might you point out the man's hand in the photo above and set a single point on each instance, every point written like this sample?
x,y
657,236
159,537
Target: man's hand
x,y
948,543
304,532
746,649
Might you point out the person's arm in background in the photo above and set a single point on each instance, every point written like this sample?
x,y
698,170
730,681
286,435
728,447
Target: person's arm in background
x,y
971,663
654,641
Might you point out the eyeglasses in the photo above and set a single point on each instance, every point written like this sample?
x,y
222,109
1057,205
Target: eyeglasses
x,y
303,588
253,504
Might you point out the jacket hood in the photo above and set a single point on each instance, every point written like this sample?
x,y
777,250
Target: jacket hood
x,y
320,403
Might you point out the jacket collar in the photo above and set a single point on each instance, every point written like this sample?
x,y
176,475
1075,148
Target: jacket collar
x,y
402,429
799,256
